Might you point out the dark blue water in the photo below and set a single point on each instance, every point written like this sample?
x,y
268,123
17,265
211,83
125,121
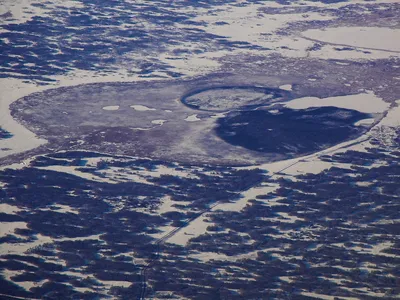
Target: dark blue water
x,y
291,132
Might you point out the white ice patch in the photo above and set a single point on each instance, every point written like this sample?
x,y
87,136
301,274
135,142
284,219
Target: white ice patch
x,y
365,103
393,117
9,209
309,166
111,107
246,23
286,87
22,139
192,118
158,122
193,229
330,51
365,122
378,38
74,171
274,111
248,195
140,128
341,63
9,227
218,116
139,107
